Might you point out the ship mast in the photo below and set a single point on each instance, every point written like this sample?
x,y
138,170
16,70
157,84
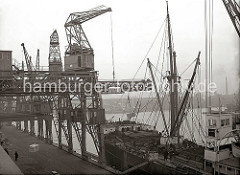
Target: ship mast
x,y
172,78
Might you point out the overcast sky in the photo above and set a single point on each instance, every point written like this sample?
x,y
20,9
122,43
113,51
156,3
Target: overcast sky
x,y
135,24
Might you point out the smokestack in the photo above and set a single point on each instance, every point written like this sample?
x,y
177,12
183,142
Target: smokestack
x,y
226,91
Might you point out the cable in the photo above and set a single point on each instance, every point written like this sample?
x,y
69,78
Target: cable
x,y
187,68
111,23
149,49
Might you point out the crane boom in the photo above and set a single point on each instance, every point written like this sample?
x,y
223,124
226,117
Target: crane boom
x,y
181,112
27,59
233,10
81,17
77,40
158,97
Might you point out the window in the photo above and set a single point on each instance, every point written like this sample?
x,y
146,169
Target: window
x,y
227,122
211,132
211,122
1,56
223,122
4,56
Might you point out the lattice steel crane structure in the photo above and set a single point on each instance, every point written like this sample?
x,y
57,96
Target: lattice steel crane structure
x,y
54,59
40,96
78,45
27,59
233,10
37,66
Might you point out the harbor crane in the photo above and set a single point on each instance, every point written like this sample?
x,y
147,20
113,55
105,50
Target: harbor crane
x,y
76,37
27,59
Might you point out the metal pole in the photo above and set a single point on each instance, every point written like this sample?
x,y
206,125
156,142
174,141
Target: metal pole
x,y
158,96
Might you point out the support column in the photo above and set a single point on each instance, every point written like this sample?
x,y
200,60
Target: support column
x,y
59,131
40,129
50,140
26,126
102,149
18,125
32,127
69,128
48,130
83,129
83,123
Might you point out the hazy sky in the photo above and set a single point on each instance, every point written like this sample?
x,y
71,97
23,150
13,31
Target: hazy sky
x,y
135,24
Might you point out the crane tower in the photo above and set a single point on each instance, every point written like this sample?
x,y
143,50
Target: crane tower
x,y
54,58
79,54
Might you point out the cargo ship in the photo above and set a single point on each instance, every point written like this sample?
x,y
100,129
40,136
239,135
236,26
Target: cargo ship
x,y
135,147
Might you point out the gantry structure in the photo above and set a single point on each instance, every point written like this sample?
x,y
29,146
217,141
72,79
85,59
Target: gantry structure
x,y
67,98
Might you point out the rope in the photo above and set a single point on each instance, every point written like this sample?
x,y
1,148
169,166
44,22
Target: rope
x,y
149,49
187,67
146,54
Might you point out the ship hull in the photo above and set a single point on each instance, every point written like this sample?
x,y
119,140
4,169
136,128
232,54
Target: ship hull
x,y
122,160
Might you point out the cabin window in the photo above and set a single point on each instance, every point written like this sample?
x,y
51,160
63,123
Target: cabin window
x,y
223,122
211,122
5,56
211,132
229,169
8,56
1,56
227,122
